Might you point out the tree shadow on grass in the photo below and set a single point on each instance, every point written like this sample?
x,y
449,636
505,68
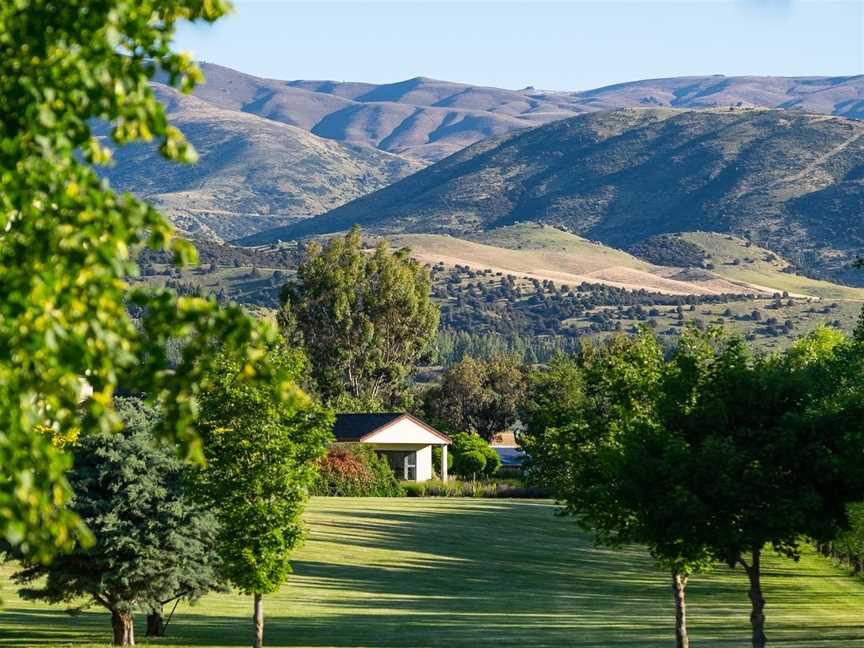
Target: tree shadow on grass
x,y
461,573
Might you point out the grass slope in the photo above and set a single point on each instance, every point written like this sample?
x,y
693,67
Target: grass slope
x,y
543,252
473,573
252,172
758,266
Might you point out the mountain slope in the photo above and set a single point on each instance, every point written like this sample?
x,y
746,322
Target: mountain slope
x,y
790,181
428,119
252,173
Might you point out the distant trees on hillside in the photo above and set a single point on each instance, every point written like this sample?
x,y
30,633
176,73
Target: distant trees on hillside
x,y
669,250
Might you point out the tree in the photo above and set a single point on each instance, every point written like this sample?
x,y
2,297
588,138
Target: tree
x,y
788,464
67,243
153,542
597,433
479,396
469,464
472,455
261,456
364,320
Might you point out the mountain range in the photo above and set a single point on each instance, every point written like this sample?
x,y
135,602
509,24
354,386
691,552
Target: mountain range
x,y
776,160
790,181
427,119
252,172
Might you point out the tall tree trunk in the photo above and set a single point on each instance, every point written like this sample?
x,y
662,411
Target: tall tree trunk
x,y
155,624
679,585
757,603
258,618
124,628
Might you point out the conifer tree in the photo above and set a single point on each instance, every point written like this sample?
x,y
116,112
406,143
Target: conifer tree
x,y
153,542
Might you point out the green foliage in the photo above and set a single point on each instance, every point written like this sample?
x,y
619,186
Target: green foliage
x,y
710,455
513,489
473,456
665,249
858,334
436,459
355,470
469,464
478,396
848,547
262,454
153,542
364,319
66,242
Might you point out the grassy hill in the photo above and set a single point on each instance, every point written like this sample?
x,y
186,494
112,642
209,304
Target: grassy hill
x,y
740,261
792,182
545,253
252,173
469,573
429,119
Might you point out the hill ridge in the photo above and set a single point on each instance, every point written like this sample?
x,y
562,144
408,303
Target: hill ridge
x,y
791,181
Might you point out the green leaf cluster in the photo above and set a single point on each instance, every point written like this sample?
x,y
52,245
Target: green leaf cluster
x,y
262,453
153,542
67,246
364,319
472,456
479,396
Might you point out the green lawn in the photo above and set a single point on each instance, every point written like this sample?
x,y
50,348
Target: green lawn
x,y
474,573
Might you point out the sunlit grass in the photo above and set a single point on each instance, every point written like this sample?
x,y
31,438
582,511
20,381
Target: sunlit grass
x,y
463,573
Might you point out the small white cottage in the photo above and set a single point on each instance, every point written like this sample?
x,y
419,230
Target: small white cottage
x,y
405,441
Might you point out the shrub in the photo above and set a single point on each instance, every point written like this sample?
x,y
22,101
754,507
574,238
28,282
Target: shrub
x,y
469,463
466,463
493,461
504,489
436,460
355,470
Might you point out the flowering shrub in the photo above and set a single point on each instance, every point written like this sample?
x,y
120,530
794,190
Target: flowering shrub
x,y
354,470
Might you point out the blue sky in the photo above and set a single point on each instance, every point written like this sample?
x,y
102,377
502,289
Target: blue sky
x,y
560,45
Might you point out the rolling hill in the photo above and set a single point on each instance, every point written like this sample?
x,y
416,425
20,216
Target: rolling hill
x,y
252,173
428,119
792,182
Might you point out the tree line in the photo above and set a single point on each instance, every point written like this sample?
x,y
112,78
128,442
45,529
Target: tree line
x,y
710,454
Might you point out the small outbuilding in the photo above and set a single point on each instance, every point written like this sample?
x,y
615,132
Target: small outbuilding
x,y
404,440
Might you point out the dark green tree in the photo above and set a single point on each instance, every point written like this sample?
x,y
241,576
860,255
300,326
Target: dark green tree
x,y
153,543
363,318
262,453
778,442
477,396
597,431
67,247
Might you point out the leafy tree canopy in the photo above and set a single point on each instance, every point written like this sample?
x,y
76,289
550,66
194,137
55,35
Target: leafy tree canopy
x,y
66,243
364,318
473,455
262,455
477,396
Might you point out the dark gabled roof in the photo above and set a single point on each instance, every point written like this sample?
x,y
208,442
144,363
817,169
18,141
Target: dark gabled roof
x,y
353,427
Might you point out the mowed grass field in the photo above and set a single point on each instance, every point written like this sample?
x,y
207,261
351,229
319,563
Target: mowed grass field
x,y
464,573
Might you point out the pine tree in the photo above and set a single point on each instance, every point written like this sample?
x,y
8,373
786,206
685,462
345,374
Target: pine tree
x,y
153,543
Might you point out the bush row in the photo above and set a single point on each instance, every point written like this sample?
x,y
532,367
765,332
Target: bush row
x,y
508,489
